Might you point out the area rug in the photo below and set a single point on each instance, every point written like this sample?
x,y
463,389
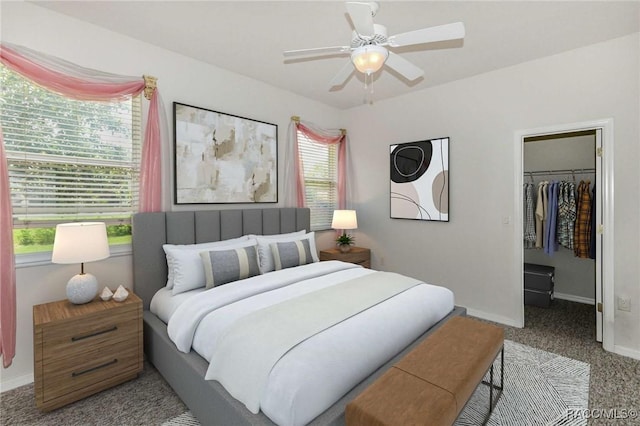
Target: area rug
x,y
540,388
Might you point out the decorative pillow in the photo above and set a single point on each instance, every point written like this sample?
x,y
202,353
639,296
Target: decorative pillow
x,y
292,253
265,256
224,266
185,266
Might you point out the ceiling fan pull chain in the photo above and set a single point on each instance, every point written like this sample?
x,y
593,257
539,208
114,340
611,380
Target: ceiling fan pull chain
x,y
370,102
368,81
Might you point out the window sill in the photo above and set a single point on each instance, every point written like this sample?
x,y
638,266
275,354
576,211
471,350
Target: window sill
x,y
44,258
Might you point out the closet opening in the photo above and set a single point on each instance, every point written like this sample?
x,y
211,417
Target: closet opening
x,y
562,217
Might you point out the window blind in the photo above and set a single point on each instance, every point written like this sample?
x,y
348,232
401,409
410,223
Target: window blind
x,y
69,160
320,168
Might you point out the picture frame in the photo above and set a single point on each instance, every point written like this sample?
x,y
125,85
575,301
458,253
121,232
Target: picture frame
x,y
419,180
222,158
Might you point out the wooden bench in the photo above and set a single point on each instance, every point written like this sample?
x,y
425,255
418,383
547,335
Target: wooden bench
x,y
433,382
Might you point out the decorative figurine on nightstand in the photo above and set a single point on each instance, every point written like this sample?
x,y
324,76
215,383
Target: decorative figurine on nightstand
x,y
344,219
106,294
121,294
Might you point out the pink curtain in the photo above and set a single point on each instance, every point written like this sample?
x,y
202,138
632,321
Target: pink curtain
x,y
7,266
79,83
150,170
342,163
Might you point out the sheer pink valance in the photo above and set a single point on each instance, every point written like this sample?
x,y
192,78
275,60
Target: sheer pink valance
x,y
327,137
85,85
80,83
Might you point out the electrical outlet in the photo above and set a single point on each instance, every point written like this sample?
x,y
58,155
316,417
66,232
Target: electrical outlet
x,y
624,304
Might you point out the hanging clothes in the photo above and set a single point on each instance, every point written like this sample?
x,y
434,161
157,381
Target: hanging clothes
x,y
566,214
552,213
582,232
529,218
541,214
545,204
592,241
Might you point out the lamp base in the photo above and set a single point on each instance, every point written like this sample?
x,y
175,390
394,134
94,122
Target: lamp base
x,y
82,288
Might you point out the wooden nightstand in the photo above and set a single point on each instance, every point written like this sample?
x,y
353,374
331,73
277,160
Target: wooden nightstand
x,y
83,349
357,255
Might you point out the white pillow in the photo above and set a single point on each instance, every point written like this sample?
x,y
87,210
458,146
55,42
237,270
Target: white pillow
x,y
265,256
184,264
278,236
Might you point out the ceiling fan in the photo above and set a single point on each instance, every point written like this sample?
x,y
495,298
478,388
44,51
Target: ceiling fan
x,y
369,44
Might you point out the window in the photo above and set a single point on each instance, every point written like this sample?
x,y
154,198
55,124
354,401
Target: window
x,y
68,160
320,168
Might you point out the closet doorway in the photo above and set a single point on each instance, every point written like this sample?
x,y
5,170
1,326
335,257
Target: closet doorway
x,y
572,154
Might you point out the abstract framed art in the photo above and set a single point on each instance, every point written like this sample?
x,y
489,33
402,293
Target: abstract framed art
x,y
419,173
223,158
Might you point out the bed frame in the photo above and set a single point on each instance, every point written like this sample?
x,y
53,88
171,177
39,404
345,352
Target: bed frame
x,y
208,400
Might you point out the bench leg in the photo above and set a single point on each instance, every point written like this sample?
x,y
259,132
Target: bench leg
x,y
492,386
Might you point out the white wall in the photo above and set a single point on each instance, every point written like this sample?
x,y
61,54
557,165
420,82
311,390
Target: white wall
x,y
475,254
180,79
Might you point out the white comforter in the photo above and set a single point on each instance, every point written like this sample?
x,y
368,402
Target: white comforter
x,y
316,373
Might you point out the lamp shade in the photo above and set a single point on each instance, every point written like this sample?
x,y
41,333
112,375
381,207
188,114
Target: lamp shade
x,y
80,242
369,59
344,219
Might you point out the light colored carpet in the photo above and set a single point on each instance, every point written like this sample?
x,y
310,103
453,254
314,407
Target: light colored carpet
x,y
540,388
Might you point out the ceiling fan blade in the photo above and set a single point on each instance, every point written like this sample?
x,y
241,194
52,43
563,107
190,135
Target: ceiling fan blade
x,y
362,17
317,51
403,67
342,76
428,35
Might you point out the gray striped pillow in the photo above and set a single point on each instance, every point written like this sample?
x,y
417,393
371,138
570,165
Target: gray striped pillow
x,y
225,266
291,253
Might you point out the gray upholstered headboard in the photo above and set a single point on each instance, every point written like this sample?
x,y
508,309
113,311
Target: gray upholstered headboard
x,y
152,230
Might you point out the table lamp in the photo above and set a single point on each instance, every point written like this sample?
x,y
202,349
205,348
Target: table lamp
x,y
80,242
344,219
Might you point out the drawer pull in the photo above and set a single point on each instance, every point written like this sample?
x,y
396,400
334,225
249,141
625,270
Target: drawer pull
x,y
97,333
89,370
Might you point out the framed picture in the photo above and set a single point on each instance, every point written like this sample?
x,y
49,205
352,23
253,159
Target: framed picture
x,y
419,173
223,158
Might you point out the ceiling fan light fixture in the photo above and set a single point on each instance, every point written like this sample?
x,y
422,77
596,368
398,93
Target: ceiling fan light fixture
x,y
369,58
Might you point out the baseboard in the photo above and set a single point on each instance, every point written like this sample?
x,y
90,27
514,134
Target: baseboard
x,y
493,317
572,298
624,351
6,385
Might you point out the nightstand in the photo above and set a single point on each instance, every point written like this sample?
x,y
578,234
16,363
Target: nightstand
x,y
357,255
83,349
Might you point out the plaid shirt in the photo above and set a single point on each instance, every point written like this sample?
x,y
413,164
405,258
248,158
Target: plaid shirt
x,y
582,234
529,223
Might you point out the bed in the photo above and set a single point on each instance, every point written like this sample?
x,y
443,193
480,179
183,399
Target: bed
x,y
208,400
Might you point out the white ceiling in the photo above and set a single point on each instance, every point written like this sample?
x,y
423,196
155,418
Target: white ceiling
x,y
249,37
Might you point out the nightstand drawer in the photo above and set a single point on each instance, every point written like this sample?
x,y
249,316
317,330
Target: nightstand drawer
x,y
96,332
69,374
358,255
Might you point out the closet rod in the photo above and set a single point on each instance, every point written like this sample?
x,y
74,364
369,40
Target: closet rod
x,y
559,172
